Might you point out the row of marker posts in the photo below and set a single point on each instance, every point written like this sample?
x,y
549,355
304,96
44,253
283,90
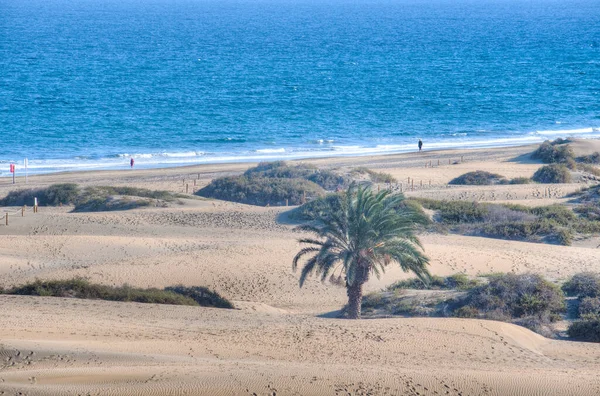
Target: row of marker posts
x,y
23,210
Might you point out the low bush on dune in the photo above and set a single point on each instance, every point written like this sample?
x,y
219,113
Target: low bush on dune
x,y
585,329
479,178
202,296
590,159
274,183
521,180
262,191
458,281
583,284
82,288
528,300
552,174
556,152
88,199
556,224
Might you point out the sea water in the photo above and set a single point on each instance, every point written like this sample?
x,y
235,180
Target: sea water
x,y
87,84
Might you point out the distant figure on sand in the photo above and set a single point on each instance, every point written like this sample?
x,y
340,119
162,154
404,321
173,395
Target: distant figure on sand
x,y
131,162
420,144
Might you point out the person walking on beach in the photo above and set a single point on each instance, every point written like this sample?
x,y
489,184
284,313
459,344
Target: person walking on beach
x,y
131,162
420,144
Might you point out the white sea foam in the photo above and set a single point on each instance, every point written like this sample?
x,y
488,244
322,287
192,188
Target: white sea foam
x,y
271,151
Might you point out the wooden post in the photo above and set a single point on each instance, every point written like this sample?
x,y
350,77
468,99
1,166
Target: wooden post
x,y
198,176
186,188
7,219
421,183
412,184
23,211
438,162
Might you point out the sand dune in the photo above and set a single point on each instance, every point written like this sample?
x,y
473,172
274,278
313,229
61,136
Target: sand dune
x,y
280,340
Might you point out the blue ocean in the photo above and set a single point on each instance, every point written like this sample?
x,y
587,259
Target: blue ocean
x,y
87,84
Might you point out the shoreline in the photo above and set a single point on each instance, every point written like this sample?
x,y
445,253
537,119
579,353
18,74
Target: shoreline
x,y
224,167
198,158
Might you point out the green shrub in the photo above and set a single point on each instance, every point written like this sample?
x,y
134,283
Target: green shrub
x,y
54,195
327,179
202,296
583,284
552,174
457,281
521,180
81,288
466,311
456,212
518,296
586,329
261,191
557,152
588,211
590,159
479,178
317,205
589,306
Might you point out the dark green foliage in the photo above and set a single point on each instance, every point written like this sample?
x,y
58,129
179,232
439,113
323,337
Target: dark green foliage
x,y
586,329
88,199
313,208
552,174
517,296
458,281
588,211
521,180
261,191
583,284
590,159
556,152
479,178
272,183
54,195
82,288
327,179
375,177
589,306
203,296
456,212
551,224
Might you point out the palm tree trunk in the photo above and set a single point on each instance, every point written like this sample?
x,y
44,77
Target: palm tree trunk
x,y
354,300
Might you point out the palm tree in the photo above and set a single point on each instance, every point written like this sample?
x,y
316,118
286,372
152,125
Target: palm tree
x,y
360,234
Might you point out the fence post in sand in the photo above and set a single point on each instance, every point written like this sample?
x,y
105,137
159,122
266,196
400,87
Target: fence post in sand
x,y
438,162
7,219
412,184
23,211
421,183
186,188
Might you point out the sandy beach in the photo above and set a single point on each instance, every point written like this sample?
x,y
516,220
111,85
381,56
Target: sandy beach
x,y
281,339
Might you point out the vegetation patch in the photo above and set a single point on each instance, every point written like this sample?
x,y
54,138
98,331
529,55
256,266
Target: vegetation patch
x,y
88,199
555,152
586,287
479,178
457,281
82,288
526,299
275,184
556,224
555,173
